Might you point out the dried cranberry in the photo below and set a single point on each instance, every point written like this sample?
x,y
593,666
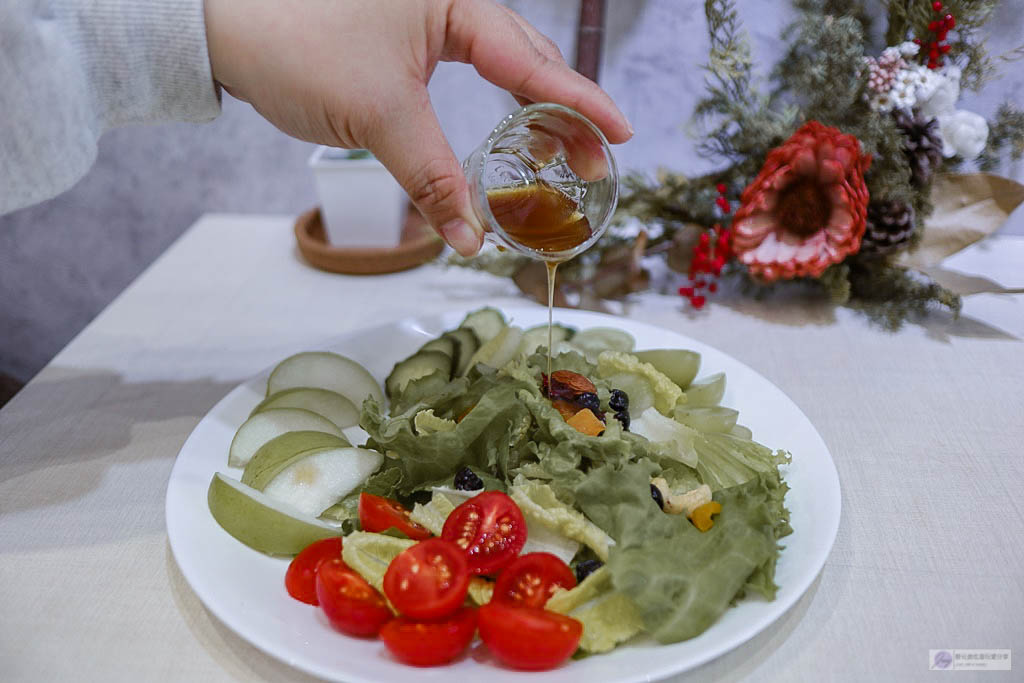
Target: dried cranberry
x,y
589,399
656,495
619,400
467,480
586,568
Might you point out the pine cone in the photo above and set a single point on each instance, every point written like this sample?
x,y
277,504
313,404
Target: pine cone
x,y
889,227
922,144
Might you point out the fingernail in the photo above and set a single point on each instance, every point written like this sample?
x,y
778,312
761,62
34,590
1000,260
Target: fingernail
x,y
629,126
461,237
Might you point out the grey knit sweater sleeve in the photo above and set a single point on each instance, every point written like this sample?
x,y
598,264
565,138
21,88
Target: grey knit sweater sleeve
x,y
71,69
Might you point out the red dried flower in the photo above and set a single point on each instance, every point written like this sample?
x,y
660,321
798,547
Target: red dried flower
x,y
806,209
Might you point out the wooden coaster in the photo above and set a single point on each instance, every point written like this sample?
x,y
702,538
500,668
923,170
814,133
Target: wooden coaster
x,y
418,245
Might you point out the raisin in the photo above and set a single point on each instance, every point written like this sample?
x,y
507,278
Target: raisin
x,y
619,401
656,495
586,568
466,480
623,417
589,399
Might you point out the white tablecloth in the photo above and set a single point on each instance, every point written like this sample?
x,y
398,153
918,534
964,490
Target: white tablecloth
x,y
926,427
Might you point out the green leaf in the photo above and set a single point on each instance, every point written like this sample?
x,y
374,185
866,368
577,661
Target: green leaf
x,y
682,580
370,554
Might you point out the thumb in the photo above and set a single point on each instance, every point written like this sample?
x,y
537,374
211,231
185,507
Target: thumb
x,y
410,143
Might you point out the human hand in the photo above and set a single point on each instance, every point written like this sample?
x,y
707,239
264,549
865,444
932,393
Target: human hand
x,y
353,73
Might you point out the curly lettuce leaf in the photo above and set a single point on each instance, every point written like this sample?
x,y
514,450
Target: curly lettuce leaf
x,y
426,422
724,460
491,436
433,513
541,508
369,554
666,392
682,580
608,616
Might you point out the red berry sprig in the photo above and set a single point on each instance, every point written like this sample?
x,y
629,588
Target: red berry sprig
x,y
941,27
712,251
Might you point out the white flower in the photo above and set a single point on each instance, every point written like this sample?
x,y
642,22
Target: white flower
x,y
964,133
881,102
909,48
942,100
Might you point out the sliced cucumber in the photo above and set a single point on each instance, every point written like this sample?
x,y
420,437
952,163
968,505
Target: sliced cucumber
x,y
315,482
536,337
420,364
325,370
270,424
279,452
500,350
445,345
486,323
637,387
714,419
706,392
330,404
466,344
678,365
597,339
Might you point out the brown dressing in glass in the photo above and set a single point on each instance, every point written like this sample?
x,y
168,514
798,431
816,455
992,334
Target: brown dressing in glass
x,y
541,218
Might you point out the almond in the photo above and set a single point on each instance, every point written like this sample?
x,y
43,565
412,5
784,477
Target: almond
x,y
567,385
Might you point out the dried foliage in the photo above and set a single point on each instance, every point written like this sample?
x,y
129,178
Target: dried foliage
x,y
1005,137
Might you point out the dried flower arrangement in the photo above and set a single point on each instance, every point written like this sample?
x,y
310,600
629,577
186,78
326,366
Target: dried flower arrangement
x,y
835,163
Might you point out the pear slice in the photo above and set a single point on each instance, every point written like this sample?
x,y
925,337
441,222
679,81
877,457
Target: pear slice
x,y
269,424
320,479
260,522
679,365
714,419
330,404
325,370
706,392
281,451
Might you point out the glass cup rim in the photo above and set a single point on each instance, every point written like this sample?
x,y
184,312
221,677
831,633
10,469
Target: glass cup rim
x,y
483,207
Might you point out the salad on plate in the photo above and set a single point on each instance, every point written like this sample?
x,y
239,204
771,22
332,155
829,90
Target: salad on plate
x,y
553,514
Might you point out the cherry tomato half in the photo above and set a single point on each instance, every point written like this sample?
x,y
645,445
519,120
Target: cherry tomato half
x,y
526,637
531,579
430,643
351,604
380,514
428,580
300,579
490,529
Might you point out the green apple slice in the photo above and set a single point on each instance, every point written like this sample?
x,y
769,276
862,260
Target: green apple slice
x,y
260,522
269,424
281,451
320,479
330,404
324,370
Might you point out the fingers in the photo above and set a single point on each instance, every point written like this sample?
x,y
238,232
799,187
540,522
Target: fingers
x,y
411,145
485,35
541,42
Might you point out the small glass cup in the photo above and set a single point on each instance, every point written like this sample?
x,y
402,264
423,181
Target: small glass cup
x,y
553,146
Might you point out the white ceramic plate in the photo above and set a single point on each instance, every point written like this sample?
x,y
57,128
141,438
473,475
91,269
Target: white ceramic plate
x,y
245,589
